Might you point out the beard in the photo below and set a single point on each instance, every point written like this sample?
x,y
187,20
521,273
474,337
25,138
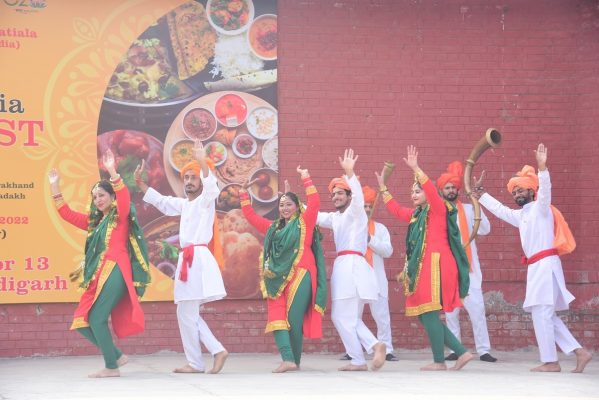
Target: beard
x,y
191,190
522,201
451,197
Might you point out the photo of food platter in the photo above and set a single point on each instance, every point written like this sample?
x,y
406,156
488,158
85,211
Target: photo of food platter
x,y
196,48
236,149
206,70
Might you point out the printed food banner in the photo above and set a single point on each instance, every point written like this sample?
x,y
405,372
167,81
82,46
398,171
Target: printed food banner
x,y
144,78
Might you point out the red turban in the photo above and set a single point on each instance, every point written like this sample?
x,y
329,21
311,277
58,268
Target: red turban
x,y
369,194
525,179
340,183
454,174
195,167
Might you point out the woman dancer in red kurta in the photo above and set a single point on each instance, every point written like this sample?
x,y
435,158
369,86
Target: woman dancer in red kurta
x,y
115,270
293,275
432,279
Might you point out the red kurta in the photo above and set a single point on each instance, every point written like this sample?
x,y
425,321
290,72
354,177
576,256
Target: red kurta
x,y
277,308
439,273
127,317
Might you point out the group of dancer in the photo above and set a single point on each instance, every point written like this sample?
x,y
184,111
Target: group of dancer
x,y
441,271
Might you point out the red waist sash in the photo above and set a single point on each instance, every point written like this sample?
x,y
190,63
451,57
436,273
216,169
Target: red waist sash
x,y
187,260
346,252
539,256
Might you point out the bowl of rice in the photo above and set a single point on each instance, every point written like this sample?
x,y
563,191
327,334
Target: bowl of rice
x,y
263,123
270,153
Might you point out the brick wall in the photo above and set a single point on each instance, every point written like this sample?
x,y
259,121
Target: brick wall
x,y
377,75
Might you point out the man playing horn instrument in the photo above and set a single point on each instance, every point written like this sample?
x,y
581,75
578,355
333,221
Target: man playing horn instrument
x,y
544,235
449,185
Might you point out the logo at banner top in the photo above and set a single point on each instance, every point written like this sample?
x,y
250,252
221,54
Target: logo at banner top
x,y
26,6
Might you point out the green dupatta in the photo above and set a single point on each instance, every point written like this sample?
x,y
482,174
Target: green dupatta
x,y
283,250
416,245
96,244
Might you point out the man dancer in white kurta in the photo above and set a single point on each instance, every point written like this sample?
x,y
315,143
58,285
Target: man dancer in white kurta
x,y
353,281
546,290
449,184
197,279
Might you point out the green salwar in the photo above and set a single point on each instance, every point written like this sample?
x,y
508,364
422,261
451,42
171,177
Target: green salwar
x,y
290,342
98,332
440,336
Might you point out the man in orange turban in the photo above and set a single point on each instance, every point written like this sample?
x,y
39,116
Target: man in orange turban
x,y
353,281
544,235
379,247
198,279
449,184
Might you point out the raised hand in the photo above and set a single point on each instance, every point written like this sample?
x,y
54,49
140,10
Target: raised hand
x,y
109,163
412,158
380,180
247,184
53,177
348,162
303,173
541,155
139,170
477,185
199,152
138,176
287,186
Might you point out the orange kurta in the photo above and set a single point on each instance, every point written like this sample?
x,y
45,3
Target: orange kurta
x,y
437,285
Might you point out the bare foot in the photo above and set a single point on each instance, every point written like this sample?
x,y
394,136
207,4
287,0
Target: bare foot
x,y
187,369
219,361
352,367
547,367
434,367
582,359
380,352
462,360
284,367
106,373
123,359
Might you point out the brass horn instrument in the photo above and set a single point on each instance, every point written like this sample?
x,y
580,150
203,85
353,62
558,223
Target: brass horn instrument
x,y
387,170
492,138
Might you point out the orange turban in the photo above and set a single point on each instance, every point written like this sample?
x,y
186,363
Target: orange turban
x,y
369,194
454,174
525,179
195,167
340,183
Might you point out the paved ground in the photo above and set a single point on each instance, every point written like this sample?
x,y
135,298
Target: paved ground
x,y
248,376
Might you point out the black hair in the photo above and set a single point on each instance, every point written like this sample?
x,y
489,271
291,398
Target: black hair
x,y
296,201
107,186
293,198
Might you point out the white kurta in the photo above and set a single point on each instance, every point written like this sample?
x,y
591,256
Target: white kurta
x,y
204,280
475,302
380,243
476,277
352,276
535,222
